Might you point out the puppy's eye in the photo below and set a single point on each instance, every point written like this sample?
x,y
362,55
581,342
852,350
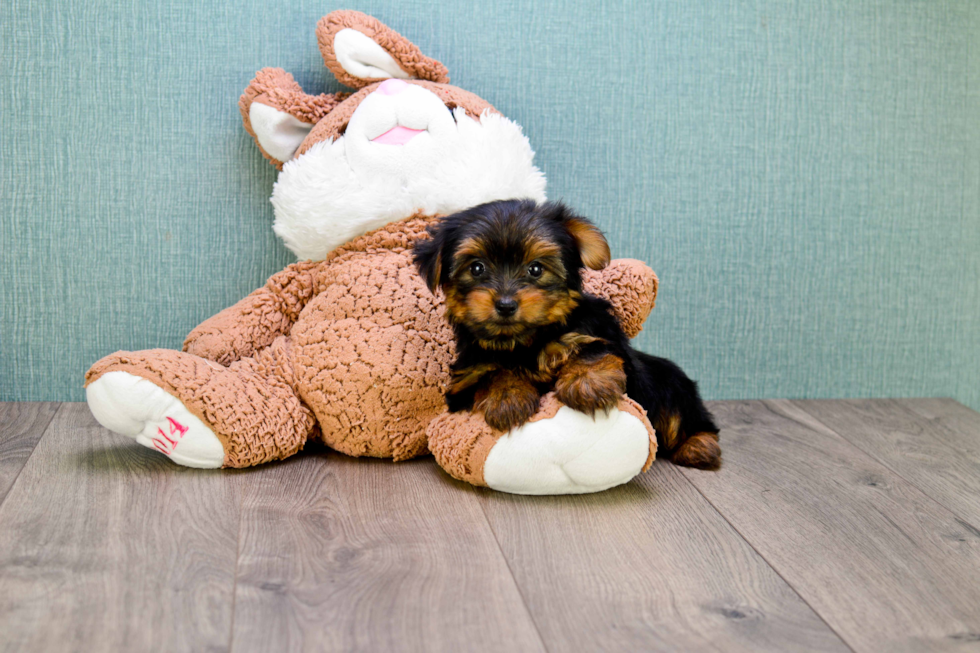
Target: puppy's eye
x,y
535,269
477,269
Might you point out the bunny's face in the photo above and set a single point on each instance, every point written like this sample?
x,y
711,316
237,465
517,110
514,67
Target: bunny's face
x,y
407,142
396,112
399,127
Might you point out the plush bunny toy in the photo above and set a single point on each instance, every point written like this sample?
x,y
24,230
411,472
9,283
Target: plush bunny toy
x,y
350,346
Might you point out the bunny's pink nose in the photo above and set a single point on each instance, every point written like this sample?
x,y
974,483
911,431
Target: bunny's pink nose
x,y
392,86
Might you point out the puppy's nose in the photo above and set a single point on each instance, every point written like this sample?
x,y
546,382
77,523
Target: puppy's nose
x,y
506,306
392,86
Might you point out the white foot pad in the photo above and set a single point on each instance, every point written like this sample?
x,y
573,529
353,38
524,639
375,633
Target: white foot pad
x,y
568,454
130,405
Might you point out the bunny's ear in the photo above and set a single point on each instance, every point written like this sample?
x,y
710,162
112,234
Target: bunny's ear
x,y
360,50
279,115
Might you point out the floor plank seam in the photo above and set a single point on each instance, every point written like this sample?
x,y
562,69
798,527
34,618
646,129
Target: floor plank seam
x,y
513,578
238,557
886,569
885,464
770,565
13,484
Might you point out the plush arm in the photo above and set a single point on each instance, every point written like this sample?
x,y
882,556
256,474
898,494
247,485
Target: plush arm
x,y
258,319
630,286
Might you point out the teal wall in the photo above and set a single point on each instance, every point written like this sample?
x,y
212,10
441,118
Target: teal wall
x,y
804,177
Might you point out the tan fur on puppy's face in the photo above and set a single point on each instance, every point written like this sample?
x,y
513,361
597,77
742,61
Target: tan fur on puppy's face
x,y
476,310
538,307
540,249
510,269
542,299
471,248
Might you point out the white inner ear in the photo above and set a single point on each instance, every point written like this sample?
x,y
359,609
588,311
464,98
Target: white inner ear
x,y
278,133
363,58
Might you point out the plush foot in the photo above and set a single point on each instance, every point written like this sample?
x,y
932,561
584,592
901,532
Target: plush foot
x,y
247,409
568,454
561,451
132,406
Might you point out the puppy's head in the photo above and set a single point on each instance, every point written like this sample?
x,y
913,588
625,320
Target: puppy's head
x,y
510,267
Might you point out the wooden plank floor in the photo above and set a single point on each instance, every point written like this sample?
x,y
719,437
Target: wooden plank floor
x,y
832,526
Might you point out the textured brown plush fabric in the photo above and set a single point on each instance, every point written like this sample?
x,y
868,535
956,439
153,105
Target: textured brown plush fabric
x,y
277,89
250,406
630,286
461,442
356,341
258,319
405,53
372,349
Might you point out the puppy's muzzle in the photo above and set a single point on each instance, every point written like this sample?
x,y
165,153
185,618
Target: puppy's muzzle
x,y
506,306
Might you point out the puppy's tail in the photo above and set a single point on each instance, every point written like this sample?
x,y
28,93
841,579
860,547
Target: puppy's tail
x,y
686,431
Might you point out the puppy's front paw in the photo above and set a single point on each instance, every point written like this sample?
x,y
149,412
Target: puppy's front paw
x,y
510,412
508,401
591,385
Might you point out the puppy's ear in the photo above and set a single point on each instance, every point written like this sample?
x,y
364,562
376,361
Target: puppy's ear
x,y
428,254
592,245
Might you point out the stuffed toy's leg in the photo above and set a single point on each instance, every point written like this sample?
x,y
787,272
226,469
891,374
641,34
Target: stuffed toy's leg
x,y
560,451
200,413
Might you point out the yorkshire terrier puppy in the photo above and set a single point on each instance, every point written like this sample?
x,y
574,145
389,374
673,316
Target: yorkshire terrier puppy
x,y
511,274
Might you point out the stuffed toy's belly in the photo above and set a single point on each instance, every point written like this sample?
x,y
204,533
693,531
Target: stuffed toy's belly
x,y
371,354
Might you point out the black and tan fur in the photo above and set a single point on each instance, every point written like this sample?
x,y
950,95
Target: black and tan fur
x,y
511,274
